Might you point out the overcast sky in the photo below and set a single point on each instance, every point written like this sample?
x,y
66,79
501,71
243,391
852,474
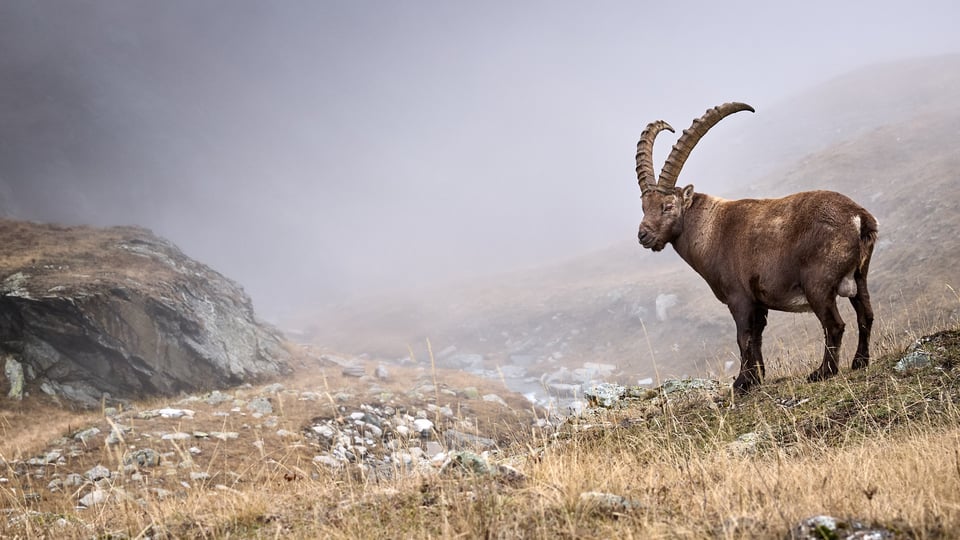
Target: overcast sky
x,y
316,150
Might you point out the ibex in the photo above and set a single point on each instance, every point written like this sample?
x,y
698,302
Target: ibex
x,y
794,254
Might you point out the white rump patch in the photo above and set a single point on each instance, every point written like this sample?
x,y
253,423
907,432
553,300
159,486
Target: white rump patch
x,y
848,287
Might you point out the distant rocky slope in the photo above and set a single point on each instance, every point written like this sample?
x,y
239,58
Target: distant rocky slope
x,y
89,313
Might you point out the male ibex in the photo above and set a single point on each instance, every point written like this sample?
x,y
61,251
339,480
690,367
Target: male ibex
x,y
795,254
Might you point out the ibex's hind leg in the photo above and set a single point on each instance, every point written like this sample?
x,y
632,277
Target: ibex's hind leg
x,y
861,304
826,311
758,321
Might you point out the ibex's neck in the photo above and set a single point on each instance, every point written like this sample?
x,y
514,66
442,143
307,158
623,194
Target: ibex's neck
x,y
695,244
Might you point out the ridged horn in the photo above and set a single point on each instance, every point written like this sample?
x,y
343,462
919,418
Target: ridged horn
x,y
690,137
645,173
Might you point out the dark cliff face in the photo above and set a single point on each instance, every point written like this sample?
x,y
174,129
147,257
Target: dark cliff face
x,y
120,311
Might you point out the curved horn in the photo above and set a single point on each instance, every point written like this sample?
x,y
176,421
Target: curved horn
x,y
691,136
645,173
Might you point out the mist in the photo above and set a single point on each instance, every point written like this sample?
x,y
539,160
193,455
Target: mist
x,y
318,151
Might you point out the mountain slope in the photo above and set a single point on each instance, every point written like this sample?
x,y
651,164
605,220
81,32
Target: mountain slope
x,y
650,314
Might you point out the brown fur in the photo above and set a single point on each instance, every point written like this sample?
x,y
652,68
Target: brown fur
x,y
789,254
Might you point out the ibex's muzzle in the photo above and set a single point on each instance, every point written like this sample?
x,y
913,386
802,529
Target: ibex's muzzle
x,y
648,239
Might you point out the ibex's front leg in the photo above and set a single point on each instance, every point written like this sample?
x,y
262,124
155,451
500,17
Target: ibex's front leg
x,y
758,322
750,323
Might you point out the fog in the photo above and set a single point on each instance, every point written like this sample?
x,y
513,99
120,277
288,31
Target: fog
x,y
317,151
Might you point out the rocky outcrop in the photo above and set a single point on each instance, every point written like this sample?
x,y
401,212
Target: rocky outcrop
x,y
121,312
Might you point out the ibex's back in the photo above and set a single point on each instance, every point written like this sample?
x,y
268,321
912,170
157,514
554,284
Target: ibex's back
x,y
773,250
796,253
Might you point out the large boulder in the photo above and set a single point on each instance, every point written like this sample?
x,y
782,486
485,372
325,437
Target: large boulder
x,y
119,311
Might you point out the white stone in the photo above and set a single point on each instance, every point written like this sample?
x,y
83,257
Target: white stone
x,y
97,496
422,424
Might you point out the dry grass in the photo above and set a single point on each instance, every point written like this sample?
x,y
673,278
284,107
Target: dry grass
x,y
51,255
875,445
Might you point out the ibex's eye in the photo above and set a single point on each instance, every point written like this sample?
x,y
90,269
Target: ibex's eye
x,y
667,207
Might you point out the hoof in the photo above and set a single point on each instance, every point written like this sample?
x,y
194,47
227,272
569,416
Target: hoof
x,y
860,362
743,385
819,375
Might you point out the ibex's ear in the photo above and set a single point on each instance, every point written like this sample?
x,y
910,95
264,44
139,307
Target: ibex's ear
x,y
687,195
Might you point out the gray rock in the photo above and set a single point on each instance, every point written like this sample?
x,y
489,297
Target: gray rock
x,y
143,457
914,360
372,431
167,412
493,398
607,502
274,388
97,473
423,426
325,431
382,373
72,480
432,448
466,462
260,405
216,398
460,440
471,464
823,526
93,326
354,371
116,434
603,394
670,386
87,434
95,497
50,457
14,372
328,461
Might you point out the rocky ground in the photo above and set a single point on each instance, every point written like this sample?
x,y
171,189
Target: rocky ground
x,y
338,414
381,424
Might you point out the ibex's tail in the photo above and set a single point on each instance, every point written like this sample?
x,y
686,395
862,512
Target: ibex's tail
x,y
868,237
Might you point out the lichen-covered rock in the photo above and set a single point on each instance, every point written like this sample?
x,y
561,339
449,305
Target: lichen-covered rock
x,y
914,360
14,372
823,526
603,394
121,313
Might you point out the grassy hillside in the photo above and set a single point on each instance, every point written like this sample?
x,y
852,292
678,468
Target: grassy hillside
x,y
902,162
876,447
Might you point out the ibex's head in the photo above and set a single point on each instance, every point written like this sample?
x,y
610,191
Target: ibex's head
x,y
663,203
